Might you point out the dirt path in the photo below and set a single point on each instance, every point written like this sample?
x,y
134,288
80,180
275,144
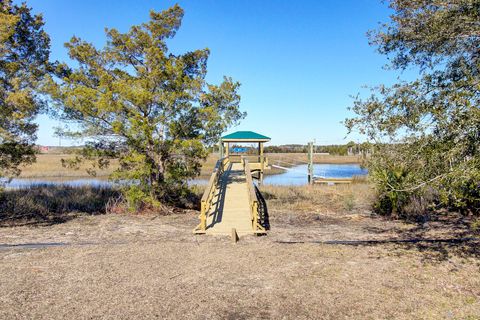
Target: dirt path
x,y
124,267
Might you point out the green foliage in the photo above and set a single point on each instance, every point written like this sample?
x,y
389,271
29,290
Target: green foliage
x,y
349,202
393,177
152,109
427,131
24,53
475,225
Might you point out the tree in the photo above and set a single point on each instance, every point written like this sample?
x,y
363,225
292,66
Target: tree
x,y
152,109
24,54
426,131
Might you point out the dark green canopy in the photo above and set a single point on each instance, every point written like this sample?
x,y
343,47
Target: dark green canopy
x,y
247,136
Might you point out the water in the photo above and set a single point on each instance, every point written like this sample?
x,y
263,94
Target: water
x,y
27,183
295,176
24,183
298,175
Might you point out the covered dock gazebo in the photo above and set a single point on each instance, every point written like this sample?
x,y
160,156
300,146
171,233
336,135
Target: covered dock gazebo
x,y
258,162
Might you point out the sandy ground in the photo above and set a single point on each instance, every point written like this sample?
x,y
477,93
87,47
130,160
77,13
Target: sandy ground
x,y
144,267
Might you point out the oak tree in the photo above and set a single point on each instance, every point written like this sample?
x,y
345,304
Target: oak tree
x,y
150,108
426,132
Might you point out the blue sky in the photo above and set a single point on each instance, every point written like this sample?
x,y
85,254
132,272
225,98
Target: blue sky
x,y
298,61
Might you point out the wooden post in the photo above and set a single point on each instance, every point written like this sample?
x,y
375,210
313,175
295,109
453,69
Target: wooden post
x,y
310,163
221,148
262,161
234,235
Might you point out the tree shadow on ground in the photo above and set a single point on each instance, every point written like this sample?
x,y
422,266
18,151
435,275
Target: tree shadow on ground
x,y
447,234
45,205
436,251
431,250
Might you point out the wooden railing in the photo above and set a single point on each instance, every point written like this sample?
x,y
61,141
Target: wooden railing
x,y
256,159
209,193
237,158
252,196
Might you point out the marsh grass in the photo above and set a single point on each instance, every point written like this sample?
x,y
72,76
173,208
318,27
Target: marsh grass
x,y
319,198
47,204
50,166
50,204
317,158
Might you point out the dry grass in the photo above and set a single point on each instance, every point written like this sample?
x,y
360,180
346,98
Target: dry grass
x,y
143,267
320,198
208,166
49,204
50,166
306,206
118,266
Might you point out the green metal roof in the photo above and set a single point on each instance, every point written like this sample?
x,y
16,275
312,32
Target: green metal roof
x,y
245,135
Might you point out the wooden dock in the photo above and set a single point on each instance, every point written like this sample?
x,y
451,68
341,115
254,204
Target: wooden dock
x,y
230,207
332,180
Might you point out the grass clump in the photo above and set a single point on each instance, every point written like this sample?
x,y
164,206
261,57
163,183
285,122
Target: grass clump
x,y
49,204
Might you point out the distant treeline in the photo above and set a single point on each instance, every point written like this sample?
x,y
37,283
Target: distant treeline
x,y
350,148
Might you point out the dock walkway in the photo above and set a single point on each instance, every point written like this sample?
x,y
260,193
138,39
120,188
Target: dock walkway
x,y
230,207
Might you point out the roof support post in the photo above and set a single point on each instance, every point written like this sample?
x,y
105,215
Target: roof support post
x,y
262,162
220,146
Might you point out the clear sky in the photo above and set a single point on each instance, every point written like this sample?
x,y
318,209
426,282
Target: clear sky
x,y
298,61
